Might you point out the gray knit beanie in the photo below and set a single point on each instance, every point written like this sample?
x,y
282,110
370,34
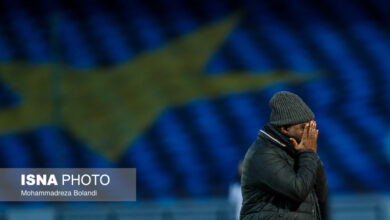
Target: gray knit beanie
x,y
289,109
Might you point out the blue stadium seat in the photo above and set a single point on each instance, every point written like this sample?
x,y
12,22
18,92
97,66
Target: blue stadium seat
x,y
75,49
54,152
247,52
14,152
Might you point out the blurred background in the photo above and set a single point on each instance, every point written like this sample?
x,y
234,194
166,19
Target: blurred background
x,y
179,90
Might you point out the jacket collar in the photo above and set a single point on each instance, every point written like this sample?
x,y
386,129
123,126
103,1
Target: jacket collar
x,y
270,137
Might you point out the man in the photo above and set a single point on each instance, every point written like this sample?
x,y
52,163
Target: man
x,y
283,177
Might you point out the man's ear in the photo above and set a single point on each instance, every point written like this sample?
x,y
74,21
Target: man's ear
x,y
283,129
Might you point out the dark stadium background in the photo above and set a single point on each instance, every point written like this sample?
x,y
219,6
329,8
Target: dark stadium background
x,y
179,90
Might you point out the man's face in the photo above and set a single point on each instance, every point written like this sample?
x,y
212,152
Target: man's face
x,y
295,131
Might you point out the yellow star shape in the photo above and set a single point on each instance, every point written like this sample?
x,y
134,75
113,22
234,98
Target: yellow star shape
x,y
108,107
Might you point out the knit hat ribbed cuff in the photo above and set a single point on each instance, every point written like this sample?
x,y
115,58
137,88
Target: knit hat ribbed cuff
x,y
289,109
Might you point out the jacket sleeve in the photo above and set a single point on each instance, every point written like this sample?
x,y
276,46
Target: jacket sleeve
x,y
295,183
321,185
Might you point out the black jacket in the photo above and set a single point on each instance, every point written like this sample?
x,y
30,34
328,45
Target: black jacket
x,y
278,184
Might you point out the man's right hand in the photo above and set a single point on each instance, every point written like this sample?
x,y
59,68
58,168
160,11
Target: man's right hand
x,y
309,137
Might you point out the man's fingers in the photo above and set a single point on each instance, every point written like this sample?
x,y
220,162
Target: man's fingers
x,y
316,135
294,142
312,128
305,131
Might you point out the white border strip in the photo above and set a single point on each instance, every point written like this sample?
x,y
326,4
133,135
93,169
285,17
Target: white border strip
x,y
274,139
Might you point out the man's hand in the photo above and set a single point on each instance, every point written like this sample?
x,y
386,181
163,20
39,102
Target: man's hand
x,y
309,137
